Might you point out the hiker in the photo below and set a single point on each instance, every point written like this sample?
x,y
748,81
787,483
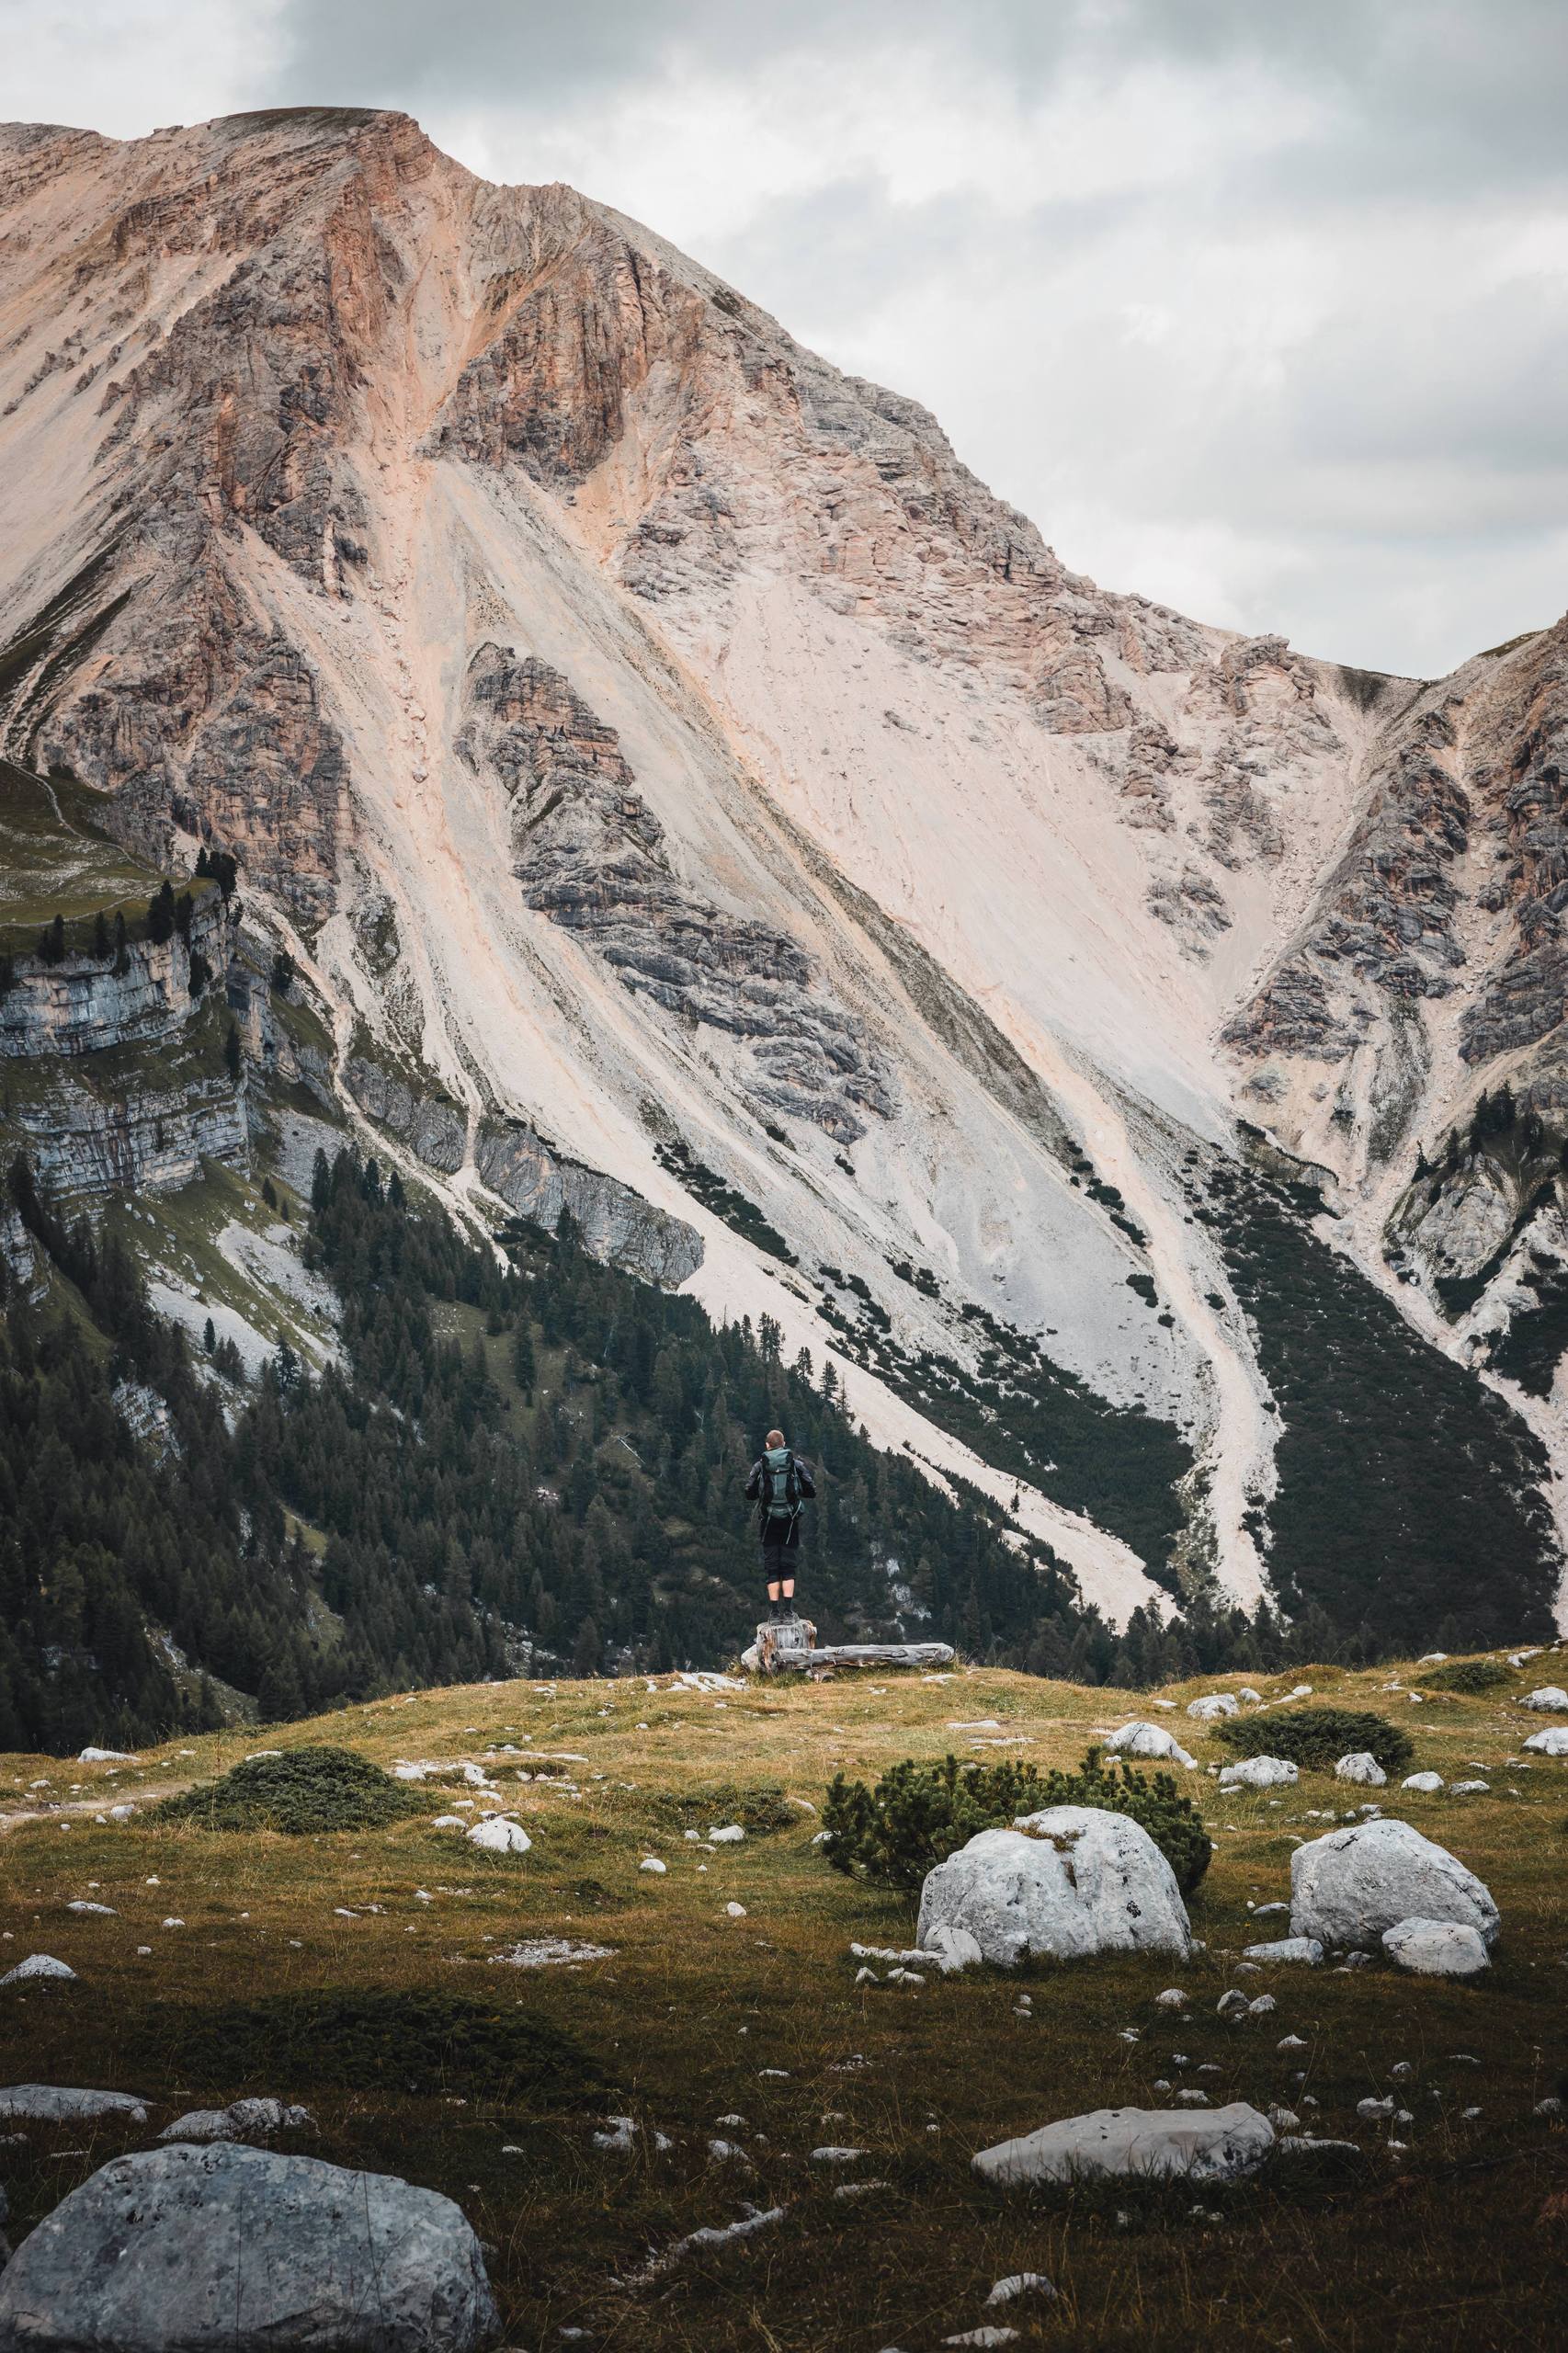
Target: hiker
x,y
779,1484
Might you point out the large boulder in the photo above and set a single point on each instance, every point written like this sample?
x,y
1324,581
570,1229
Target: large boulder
x,y
1149,1740
1068,1882
1212,1706
1360,1766
1551,1700
183,2248
1436,1949
1259,1773
1553,1741
1216,2145
1346,1888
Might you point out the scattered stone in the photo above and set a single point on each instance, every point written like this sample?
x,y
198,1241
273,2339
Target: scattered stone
x,y
1430,1782
1214,1705
1468,1789
1554,1742
1227,2142
102,1911
1551,1700
730,1836
1173,1998
986,2336
242,2250
736,1911
550,1953
123,1756
1293,1949
1360,1766
860,2189
1436,1947
1259,1773
1192,2099
711,2236
1357,1882
1067,1882
837,2156
1261,2007
1019,2283
38,1965
1232,2004
652,1863
1371,2109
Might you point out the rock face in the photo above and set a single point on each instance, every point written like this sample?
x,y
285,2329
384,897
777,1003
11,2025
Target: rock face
x,y
1066,1882
724,816
1436,1948
229,2246
1346,1888
1221,2145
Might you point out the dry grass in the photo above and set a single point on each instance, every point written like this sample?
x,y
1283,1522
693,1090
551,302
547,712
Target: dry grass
x,y
1461,2241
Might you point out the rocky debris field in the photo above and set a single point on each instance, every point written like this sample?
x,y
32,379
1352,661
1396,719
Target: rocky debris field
x,y
543,2092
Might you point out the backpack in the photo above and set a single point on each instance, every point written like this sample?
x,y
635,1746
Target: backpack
x,y
781,1487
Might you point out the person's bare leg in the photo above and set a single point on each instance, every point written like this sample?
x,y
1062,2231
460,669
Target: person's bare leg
x,y
789,1588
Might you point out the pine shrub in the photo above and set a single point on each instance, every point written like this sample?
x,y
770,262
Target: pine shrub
x,y
1316,1738
304,1790
920,1814
1472,1677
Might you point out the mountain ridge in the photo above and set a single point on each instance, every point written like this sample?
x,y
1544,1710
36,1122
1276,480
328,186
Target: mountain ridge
x,y
647,743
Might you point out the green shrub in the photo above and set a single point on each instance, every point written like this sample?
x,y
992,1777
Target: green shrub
x,y
920,1814
363,2039
1470,1676
304,1790
1317,1737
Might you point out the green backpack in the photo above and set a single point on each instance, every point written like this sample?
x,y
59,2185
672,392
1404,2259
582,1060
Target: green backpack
x,y
781,1487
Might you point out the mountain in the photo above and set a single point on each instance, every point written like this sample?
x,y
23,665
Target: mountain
x,y
619,764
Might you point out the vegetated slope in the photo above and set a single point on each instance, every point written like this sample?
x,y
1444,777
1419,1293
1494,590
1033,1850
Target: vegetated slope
x,y
681,790
421,2051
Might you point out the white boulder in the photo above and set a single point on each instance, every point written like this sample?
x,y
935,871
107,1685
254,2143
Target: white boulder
x,y
1551,1700
1149,1740
499,1834
1259,1773
1218,2146
56,2104
1214,1705
1436,1947
1430,1782
104,1756
1553,1741
1360,1766
1068,1882
1346,1888
235,2248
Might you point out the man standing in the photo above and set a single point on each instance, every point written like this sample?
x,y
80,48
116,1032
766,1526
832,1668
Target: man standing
x,y
779,1484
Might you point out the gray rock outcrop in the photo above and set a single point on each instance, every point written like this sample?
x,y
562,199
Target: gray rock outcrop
x,y
233,2248
1346,1888
617,1225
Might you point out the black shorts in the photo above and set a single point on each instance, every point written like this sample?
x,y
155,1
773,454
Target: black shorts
x,y
780,1538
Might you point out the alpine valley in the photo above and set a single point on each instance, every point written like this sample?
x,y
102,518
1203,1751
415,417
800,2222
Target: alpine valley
x,y
785,942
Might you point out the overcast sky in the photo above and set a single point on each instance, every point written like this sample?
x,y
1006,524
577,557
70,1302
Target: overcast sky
x,y
1258,308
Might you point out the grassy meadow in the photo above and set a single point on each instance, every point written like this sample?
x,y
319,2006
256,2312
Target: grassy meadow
x,y
366,1975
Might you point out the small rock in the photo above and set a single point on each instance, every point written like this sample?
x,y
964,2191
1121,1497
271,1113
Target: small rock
x,y
1173,1998
731,1834
1371,2109
1259,1773
1019,2283
1430,1782
1214,1705
1290,1949
499,1834
1360,1766
652,1863
54,2103
1551,1700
